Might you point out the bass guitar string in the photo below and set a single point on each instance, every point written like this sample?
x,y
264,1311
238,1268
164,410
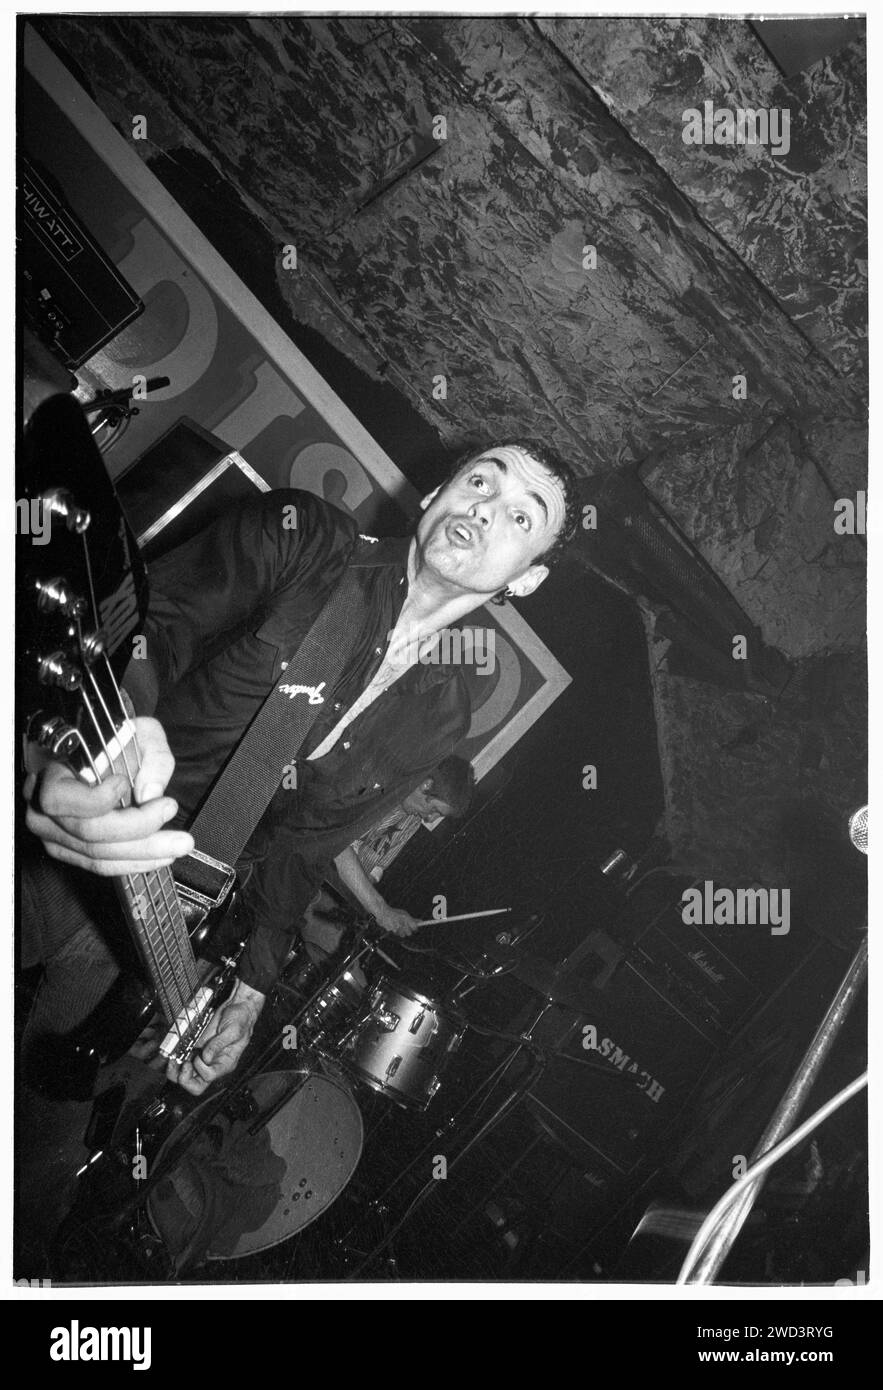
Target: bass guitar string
x,y
127,880
165,876
137,898
162,877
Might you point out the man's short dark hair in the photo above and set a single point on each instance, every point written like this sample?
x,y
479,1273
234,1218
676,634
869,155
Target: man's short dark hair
x,y
453,782
554,464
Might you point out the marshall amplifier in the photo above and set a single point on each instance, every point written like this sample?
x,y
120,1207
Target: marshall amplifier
x,y
71,295
697,974
706,974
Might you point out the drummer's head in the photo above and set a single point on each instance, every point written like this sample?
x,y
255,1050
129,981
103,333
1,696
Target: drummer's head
x,y
445,792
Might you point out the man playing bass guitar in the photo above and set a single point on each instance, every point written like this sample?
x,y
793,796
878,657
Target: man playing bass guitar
x,y
227,608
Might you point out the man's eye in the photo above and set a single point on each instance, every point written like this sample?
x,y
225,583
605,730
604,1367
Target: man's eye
x,y
522,519
477,478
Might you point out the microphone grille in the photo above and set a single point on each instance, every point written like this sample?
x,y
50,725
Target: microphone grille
x,y
858,829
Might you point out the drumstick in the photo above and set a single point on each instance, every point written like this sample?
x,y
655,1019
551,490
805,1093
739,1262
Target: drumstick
x,y
461,916
387,958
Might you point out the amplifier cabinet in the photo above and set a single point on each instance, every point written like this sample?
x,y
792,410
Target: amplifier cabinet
x,y
181,484
71,295
620,1071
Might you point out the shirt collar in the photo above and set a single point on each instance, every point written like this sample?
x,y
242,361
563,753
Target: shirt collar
x,y
392,552
374,554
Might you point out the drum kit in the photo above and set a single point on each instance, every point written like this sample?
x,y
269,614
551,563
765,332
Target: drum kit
x,y
348,1035
174,1183
385,1036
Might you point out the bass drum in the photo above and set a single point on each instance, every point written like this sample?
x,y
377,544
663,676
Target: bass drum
x,y
401,1045
303,1157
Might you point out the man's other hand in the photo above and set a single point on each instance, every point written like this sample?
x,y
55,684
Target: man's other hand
x,y
223,1042
397,921
93,827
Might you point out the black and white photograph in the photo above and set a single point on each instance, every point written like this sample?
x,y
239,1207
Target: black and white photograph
x,y
441,727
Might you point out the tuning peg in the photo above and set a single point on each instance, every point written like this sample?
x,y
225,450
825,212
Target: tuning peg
x,y
55,595
60,502
93,645
54,733
57,670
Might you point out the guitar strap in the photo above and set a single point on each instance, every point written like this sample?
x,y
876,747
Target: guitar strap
x,y
254,771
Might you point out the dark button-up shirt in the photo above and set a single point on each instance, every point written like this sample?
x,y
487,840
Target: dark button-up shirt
x,y
227,614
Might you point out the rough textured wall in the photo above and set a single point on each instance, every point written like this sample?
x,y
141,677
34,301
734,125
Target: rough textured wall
x,y
758,509
471,265
760,791
798,220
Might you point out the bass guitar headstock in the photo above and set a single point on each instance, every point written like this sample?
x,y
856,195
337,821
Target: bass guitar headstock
x,y
81,590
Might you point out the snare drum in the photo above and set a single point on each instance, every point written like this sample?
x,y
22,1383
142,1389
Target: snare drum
x,y
401,1044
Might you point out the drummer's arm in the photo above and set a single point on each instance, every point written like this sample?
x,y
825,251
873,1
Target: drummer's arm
x,y
353,876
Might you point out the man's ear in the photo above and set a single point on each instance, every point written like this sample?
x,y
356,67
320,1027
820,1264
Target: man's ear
x,y
429,497
527,582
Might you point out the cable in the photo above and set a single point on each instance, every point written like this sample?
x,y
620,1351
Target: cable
x,y
712,1220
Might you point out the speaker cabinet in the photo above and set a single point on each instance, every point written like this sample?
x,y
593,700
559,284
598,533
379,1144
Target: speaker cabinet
x,y
71,295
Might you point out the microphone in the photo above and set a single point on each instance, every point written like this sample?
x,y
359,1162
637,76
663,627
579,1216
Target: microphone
x,y
858,829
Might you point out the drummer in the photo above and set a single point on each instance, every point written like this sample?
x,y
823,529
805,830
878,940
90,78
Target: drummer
x,y
446,792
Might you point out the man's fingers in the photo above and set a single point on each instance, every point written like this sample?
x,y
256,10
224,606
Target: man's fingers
x,y
162,844
222,1045
133,823
186,1078
61,793
113,828
107,868
233,1034
57,792
197,1075
156,761
205,1069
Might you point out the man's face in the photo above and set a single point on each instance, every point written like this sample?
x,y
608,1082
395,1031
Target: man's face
x,y
484,529
423,804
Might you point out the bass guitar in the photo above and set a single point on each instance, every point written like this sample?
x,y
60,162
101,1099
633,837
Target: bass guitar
x,y
81,598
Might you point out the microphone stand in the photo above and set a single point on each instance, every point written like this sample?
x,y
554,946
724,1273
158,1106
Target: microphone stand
x,y
114,408
784,1116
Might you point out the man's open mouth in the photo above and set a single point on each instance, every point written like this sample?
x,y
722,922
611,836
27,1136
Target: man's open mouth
x,y
462,534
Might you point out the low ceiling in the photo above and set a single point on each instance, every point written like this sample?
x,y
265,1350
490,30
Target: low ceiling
x,y
463,257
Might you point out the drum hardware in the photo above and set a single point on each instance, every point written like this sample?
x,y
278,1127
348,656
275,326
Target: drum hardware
x,y
333,1005
479,1132
265,1116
